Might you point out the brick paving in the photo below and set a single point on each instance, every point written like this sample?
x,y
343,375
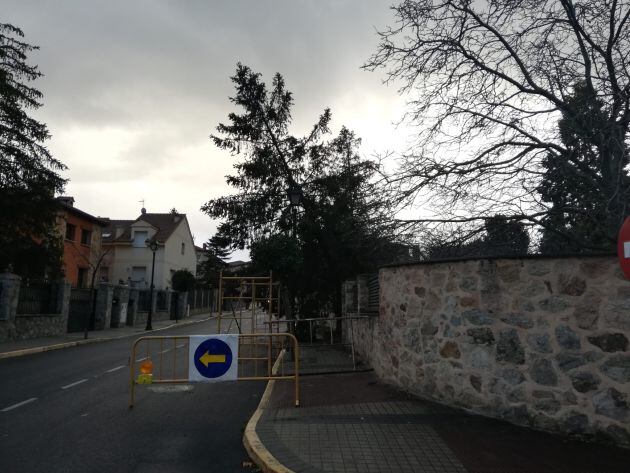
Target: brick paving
x,y
352,423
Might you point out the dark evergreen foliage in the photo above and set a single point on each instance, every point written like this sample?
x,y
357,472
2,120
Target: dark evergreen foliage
x,y
28,173
215,255
342,224
584,204
183,280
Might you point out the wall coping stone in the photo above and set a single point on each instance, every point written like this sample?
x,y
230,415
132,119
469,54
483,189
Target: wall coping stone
x,y
494,258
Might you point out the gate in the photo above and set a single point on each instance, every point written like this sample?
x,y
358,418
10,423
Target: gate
x,y
79,310
173,308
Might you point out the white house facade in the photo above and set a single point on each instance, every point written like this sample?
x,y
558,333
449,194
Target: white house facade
x,y
129,260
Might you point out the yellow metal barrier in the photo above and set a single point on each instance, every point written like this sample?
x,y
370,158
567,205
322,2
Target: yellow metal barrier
x,y
163,350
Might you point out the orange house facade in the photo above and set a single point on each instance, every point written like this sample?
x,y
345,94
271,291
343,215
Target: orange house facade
x,y
82,250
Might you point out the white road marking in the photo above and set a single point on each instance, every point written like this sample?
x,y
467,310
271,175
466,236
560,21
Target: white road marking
x,y
115,369
74,384
181,346
19,404
166,351
141,359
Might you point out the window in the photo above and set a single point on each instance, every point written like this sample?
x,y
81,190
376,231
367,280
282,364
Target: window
x,y
183,248
104,270
138,273
70,231
139,239
82,278
86,237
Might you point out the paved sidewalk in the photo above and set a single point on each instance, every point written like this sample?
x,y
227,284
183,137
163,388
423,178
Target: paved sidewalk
x,y
352,423
35,345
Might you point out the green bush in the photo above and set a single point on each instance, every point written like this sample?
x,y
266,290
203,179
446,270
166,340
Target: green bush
x,y
183,280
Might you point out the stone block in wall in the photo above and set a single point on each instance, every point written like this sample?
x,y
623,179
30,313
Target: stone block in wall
x,y
182,305
541,342
132,306
9,294
103,313
349,293
120,306
64,289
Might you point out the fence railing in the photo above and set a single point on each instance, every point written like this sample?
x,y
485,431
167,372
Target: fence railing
x,y
37,298
144,301
162,301
200,299
167,360
319,331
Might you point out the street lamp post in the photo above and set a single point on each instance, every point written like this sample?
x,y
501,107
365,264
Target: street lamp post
x,y
153,246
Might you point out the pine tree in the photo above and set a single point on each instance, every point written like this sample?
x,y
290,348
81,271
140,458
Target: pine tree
x,y
28,172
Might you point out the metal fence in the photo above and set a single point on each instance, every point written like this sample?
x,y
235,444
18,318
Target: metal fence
x,y
311,332
144,301
80,310
166,359
200,299
37,298
162,301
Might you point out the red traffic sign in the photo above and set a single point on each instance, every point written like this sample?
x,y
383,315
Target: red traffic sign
x,y
623,247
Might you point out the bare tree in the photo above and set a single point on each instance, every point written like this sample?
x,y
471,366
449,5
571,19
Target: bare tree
x,y
488,82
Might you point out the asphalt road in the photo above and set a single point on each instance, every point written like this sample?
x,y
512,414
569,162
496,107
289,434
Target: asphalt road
x,y
67,411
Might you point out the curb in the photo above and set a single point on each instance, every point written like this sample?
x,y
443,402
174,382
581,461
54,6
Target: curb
x,y
59,346
253,445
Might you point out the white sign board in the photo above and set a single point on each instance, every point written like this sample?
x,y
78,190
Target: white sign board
x,y
213,358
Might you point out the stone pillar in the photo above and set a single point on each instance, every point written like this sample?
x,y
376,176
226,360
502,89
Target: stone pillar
x,y
182,303
363,297
132,307
9,294
104,296
169,297
154,301
348,294
63,302
121,307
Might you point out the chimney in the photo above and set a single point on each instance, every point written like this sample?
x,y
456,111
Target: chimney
x,y
66,200
143,210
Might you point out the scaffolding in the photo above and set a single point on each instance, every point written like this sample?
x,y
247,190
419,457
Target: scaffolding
x,y
245,295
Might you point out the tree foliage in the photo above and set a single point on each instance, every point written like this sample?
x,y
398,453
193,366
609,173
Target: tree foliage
x,y
183,280
342,221
214,261
488,82
499,236
578,217
28,173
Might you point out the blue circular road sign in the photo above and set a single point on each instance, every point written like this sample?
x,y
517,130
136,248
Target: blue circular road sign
x,y
213,358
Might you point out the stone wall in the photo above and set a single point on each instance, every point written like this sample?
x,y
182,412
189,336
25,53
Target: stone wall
x,y
14,326
40,325
540,342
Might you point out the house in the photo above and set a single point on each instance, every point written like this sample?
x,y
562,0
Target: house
x,y
82,250
129,259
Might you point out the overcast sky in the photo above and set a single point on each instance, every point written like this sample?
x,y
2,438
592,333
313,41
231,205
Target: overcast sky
x,y
133,89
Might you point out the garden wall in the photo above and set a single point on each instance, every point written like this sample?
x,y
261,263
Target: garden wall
x,y
541,342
